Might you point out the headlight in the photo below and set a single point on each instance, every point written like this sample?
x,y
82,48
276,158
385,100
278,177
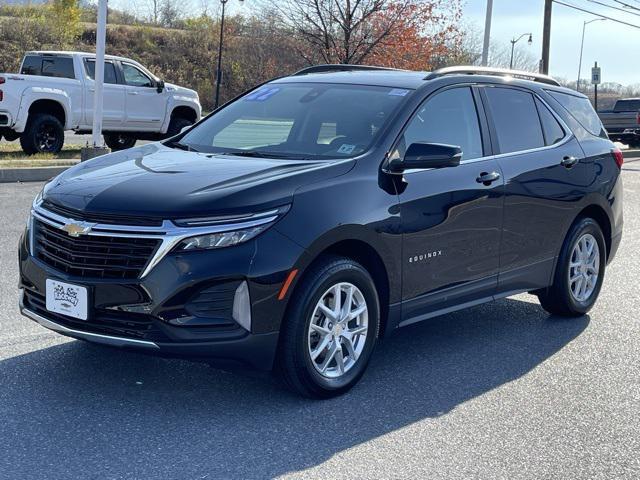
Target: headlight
x,y
221,232
220,240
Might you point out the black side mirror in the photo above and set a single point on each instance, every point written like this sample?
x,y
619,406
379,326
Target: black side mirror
x,y
423,156
160,86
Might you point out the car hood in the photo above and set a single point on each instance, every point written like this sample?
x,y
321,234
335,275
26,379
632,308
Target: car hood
x,y
182,91
154,181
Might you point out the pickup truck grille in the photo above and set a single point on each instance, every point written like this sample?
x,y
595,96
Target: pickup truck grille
x,y
92,256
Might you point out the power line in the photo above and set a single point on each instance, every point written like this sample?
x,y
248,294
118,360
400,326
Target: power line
x,y
615,8
633,7
568,5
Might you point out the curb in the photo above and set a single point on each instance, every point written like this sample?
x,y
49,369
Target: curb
x,y
39,174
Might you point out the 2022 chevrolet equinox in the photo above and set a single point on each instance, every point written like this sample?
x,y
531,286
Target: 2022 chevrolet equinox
x,y
305,220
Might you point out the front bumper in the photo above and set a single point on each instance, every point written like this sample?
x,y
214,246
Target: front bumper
x,y
163,312
256,351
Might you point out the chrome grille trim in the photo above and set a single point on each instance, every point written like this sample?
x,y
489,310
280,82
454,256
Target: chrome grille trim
x,y
169,233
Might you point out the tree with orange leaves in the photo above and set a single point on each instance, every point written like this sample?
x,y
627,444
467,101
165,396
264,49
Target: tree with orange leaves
x,y
398,33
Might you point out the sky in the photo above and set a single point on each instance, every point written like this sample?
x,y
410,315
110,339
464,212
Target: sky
x,y
612,45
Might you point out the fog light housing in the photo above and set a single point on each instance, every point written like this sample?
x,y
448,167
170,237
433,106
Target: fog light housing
x,y
242,306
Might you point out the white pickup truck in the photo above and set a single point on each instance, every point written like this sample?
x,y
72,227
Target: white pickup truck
x,y
54,92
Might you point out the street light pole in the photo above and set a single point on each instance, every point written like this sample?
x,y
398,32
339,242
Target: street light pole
x,y
219,67
584,26
487,33
513,45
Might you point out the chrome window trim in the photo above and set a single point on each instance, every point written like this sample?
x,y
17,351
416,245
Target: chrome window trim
x,y
568,136
169,233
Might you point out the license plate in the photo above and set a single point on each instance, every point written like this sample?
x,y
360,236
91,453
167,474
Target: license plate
x,y
67,299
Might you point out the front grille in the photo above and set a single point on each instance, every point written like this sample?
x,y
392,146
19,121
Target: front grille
x,y
93,256
103,322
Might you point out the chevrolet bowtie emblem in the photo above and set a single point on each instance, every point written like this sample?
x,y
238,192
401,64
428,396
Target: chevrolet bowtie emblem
x,y
76,229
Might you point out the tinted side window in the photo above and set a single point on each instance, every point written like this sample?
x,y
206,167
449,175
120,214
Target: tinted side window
x,y
515,118
135,77
32,65
449,117
109,71
61,67
553,131
580,108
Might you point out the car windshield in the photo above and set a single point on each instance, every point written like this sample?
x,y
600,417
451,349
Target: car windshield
x,y
298,120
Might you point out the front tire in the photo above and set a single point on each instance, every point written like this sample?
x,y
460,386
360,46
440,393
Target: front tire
x,y
44,134
326,344
579,272
176,125
119,141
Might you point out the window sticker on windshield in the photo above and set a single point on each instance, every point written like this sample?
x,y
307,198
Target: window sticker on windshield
x,y
262,94
398,92
346,148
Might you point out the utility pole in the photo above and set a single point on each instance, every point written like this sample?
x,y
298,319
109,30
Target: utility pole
x,y
487,34
546,37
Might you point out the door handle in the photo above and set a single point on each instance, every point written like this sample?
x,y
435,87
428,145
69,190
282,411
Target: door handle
x,y
92,89
569,162
488,178
133,93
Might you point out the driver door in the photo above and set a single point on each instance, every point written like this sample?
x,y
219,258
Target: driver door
x,y
451,220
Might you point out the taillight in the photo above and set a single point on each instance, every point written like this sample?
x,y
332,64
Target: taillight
x,y
1,95
2,80
638,118
618,157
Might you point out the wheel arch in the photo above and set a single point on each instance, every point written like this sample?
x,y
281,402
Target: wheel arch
x,y
600,215
50,107
184,111
364,253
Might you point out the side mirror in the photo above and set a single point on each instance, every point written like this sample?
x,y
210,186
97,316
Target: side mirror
x,y
422,156
160,86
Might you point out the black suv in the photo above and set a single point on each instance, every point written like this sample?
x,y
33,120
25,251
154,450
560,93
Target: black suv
x,y
317,213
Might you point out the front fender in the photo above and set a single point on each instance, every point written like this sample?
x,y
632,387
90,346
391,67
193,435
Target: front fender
x,y
178,100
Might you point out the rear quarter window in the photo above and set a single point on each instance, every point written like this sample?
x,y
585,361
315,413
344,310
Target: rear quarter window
x,y
627,106
32,65
580,108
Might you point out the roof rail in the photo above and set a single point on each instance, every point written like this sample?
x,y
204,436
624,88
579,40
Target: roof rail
x,y
504,72
338,68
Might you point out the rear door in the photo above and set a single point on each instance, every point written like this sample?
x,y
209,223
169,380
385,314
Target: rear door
x,y
113,115
451,221
145,106
545,174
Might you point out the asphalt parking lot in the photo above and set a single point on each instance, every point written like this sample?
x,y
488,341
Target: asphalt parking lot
x,y
501,391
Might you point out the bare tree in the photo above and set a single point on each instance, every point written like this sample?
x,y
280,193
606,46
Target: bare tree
x,y
341,31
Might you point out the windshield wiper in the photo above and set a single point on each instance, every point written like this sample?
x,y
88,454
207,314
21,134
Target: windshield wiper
x,y
182,146
262,154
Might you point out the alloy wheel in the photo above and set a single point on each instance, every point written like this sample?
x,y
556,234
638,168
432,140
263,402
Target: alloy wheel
x,y
584,268
46,138
337,333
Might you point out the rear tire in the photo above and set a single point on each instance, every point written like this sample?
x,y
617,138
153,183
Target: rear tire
x,y
44,134
176,125
324,348
119,141
579,273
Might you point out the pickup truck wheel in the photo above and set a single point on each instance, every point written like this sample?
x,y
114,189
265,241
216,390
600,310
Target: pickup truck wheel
x,y
176,125
44,134
119,141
